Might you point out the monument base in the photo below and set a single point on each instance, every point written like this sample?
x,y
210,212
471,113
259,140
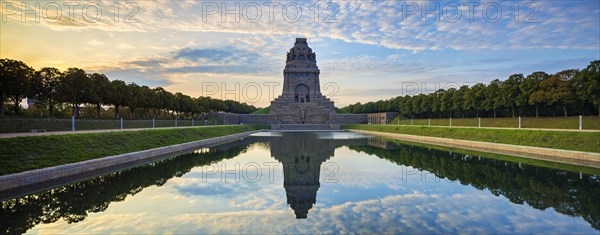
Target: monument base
x,y
305,127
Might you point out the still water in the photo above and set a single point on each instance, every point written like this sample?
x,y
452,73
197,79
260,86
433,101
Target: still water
x,y
317,183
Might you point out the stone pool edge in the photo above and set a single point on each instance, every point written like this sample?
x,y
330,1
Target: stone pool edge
x,y
10,184
547,154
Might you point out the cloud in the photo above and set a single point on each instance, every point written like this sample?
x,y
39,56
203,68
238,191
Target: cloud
x,y
541,24
159,70
407,213
220,55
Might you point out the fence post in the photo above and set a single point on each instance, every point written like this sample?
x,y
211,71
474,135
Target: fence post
x,y
192,122
175,122
205,122
580,122
450,121
479,120
73,123
153,123
430,122
519,121
412,122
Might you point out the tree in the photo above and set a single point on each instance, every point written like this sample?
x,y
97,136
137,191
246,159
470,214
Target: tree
x,y
406,106
147,100
15,82
48,80
425,104
204,104
530,85
133,101
562,92
474,98
436,101
540,96
556,90
417,104
185,104
217,105
587,85
458,100
118,95
99,92
492,99
447,100
75,88
509,91
165,99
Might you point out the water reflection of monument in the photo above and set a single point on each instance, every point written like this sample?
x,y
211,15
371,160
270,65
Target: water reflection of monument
x,y
302,155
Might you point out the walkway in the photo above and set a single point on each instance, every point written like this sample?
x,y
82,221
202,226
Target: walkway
x,y
499,128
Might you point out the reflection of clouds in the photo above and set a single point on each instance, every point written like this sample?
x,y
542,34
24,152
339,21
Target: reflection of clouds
x,y
340,135
476,212
204,189
206,183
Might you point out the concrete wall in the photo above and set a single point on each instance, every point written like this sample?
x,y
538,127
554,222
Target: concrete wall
x,y
360,118
257,118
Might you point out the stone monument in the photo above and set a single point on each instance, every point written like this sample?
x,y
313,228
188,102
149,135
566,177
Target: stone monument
x,y
301,106
301,101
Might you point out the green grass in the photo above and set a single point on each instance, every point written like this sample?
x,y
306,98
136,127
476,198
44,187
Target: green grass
x,y
341,111
16,125
579,141
589,122
530,161
264,110
28,153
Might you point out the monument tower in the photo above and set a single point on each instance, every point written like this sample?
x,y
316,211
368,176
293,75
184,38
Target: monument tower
x,y
301,101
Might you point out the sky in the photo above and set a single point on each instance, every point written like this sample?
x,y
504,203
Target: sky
x,y
366,50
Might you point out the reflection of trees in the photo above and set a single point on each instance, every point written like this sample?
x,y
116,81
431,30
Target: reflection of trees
x,y
537,186
73,202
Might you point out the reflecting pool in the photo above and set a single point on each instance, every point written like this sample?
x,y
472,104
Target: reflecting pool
x,y
322,182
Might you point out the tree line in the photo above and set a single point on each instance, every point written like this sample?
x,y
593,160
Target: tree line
x,y
566,92
52,88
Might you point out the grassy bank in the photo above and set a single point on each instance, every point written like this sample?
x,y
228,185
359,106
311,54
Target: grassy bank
x,y
589,122
529,161
579,141
265,110
16,125
27,153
